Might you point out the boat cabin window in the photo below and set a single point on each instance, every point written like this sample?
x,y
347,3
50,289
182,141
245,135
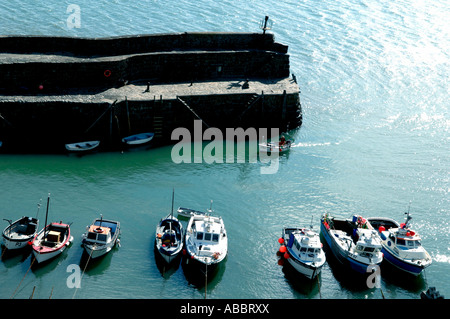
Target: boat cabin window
x,y
303,250
92,236
199,236
369,249
101,237
310,250
400,242
215,238
207,236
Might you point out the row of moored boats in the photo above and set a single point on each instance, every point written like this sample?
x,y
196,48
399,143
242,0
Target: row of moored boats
x,y
100,237
357,243
204,242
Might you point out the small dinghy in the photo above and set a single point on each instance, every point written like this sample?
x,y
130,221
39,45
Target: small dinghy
x,y
138,139
401,246
101,236
303,250
187,212
353,242
169,237
82,146
52,240
271,147
19,233
206,241
274,148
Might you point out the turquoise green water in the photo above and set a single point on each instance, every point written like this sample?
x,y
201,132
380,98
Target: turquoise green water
x,y
375,136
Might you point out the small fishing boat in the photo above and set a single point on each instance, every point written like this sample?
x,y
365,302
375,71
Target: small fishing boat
x,y
206,241
271,147
138,139
187,212
303,250
82,146
169,236
52,240
353,242
19,233
101,236
401,246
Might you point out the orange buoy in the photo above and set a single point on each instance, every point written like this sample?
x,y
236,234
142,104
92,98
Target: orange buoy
x,y
283,249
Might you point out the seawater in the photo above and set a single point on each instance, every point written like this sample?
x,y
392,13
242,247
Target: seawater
x,y
375,139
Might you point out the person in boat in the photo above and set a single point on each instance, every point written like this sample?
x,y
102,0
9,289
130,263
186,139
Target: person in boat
x,y
282,140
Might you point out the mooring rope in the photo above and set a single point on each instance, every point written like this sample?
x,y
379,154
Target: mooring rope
x,y
82,274
34,258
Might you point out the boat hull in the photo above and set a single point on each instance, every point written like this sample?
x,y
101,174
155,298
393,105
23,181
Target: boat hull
x,y
169,238
95,252
305,269
388,248
342,255
13,239
43,252
138,139
82,146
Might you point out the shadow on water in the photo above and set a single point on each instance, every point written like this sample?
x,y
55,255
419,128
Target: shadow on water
x,y
14,257
165,269
195,274
309,288
96,266
394,276
40,269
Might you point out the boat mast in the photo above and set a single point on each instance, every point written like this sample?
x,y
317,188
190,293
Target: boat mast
x,y
39,207
46,214
171,213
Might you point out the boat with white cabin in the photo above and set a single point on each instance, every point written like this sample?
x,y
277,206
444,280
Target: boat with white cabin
x,y
303,250
206,241
353,242
101,236
401,245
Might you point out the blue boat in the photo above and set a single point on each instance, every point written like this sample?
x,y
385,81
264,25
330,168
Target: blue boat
x,y
352,242
138,139
401,246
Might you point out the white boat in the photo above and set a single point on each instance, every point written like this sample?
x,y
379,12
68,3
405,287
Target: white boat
x,y
401,246
169,238
187,212
303,250
82,146
138,139
275,147
19,233
206,241
353,242
52,240
101,236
